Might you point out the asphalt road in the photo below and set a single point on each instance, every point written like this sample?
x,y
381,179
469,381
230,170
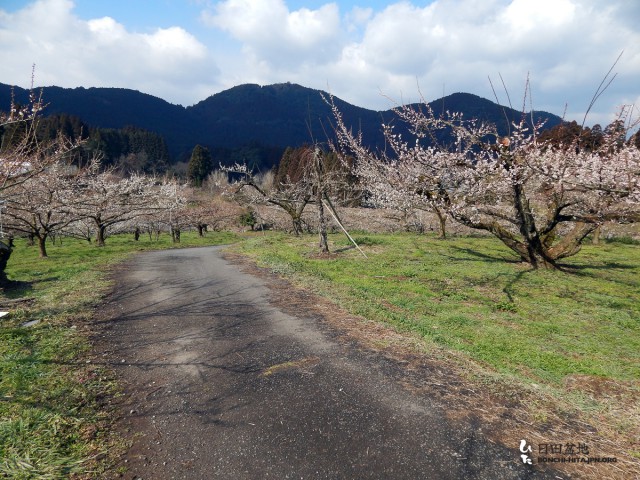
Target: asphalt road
x,y
219,383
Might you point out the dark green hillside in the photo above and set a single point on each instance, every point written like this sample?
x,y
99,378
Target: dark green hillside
x,y
114,108
474,106
282,114
104,107
263,119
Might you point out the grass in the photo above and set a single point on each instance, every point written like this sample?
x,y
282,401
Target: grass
x,y
543,330
573,335
469,295
52,422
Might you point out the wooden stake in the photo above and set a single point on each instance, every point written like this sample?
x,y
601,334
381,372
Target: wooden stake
x,y
333,214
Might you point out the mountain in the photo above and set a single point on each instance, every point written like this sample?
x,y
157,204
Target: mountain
x,y
279,115
473,106
113,108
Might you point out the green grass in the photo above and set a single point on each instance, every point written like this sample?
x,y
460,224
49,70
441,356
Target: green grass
x,y
467,295
470,295
51,420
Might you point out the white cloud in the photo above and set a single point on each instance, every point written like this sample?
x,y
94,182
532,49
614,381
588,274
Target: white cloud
x,y
106,30
525,16
273,34
566,46
68,51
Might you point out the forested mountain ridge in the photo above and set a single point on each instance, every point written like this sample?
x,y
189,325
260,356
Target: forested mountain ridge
x,y
281,114
276,116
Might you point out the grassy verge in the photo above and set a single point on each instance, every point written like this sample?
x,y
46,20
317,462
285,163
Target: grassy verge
x,y
51,418
571,337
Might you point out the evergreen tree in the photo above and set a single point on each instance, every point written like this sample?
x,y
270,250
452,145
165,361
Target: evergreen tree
x,y
200,165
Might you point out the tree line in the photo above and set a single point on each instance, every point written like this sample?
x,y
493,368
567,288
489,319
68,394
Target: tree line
x,y
542,193
128,149
53,183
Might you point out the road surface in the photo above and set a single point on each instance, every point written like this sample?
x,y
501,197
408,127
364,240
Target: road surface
x,y
221,383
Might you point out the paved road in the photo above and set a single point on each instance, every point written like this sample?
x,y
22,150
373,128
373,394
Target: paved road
x,y
221,384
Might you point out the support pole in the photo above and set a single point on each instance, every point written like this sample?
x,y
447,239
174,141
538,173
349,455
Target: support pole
x,y
343,229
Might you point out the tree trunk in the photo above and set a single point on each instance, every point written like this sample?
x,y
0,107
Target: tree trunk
x,y
136,234
442,221
175,234
521,247
297,224
596,235
320,193
571,243
541,259
42,245
5,253
538,251
537,254
322,225
100,235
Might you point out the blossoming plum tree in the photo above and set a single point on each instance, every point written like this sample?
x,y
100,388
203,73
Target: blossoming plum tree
x,y
291,197
108,199
38,206
540,199
24,157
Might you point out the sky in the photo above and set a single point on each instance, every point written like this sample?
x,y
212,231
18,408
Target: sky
x,y
375,54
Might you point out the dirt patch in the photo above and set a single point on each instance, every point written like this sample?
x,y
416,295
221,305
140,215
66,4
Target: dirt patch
x,y
510,413
302,364
602,388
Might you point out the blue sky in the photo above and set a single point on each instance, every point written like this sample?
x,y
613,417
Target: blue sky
x,y
372,54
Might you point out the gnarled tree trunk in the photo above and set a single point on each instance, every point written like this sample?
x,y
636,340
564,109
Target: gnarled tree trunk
x,y
5,254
